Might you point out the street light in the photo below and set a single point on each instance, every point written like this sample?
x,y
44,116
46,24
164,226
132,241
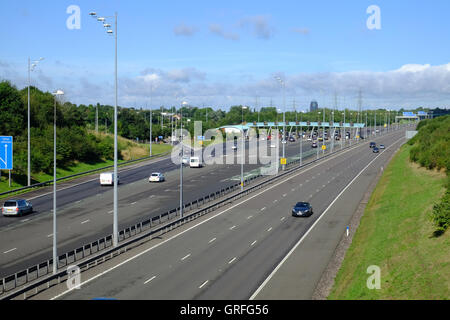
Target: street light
x,y
55,256
281,81
109,31
243,149
181,162
30,68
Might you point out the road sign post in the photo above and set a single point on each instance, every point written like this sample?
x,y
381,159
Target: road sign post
x,y
6,152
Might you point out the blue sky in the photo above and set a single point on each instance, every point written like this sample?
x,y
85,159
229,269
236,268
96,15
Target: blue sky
x,y
221,53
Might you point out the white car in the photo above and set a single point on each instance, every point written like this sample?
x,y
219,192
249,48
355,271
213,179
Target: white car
x,y
234,147
156,177
309,139
185,160
272,145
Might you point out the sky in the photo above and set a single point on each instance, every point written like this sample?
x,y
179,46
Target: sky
x,y
223,53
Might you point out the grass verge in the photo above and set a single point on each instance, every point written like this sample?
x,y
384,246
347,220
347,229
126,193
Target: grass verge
x,y
396,234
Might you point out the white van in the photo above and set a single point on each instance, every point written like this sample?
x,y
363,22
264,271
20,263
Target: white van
x,y
107,179
195,162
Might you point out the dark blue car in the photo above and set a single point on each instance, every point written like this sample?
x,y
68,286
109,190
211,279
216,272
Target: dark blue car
x,y
302,209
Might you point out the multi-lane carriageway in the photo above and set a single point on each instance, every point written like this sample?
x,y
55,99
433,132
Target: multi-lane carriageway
x,y
252,248
84,210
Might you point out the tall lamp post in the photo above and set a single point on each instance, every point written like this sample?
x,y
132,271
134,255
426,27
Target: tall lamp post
x,y
30,68
283,142
181,160
55,254
243,149
109,31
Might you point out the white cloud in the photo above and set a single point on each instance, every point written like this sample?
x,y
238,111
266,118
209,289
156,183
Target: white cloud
x,y
217,30
260,25
184,30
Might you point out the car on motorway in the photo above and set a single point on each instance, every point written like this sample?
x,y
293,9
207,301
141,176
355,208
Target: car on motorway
x,y
382,146
291,139
272,145
372,145
156,177
185,160
302,209
314,144
16,207
107,179
309,139
375,150
234,147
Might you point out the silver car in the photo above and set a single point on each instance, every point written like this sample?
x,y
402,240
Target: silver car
x,y
16,207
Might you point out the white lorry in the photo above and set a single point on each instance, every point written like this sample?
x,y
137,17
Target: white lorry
x,y
107,179
194,162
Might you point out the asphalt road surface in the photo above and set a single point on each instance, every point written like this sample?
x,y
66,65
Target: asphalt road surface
x,y
84,211
232,253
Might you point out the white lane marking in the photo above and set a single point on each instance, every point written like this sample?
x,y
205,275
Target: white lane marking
x,y
311,196
203,284
206,220
268,230
253,243
167,190
232,227
284,195
231,261
314,224
24,220
85,221
149,279
283,218
292,189
111,211
78,201
152,196
307,181
300,185
185,257
317,190
262,209
50,235
275,201
134,202
249,217
212,240
10,250
323,186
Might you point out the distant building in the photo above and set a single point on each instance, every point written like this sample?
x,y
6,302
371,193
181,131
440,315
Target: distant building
x,y
314,106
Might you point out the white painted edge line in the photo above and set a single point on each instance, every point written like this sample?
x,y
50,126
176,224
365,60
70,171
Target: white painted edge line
x,y
85,221
231,261
253,243
262,209
206,220
314,224
212,240
10,250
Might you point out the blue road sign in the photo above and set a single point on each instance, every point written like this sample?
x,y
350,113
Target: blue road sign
x,y
6,153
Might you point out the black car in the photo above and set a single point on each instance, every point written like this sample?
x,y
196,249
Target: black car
x,y
291,139
314,145
372,145
375,150
302,209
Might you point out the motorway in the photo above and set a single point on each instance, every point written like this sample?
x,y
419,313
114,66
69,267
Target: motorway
x,y
84,210
232,252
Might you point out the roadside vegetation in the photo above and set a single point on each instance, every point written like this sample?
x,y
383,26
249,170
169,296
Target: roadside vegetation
x,y
396,234
403,229
431,149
